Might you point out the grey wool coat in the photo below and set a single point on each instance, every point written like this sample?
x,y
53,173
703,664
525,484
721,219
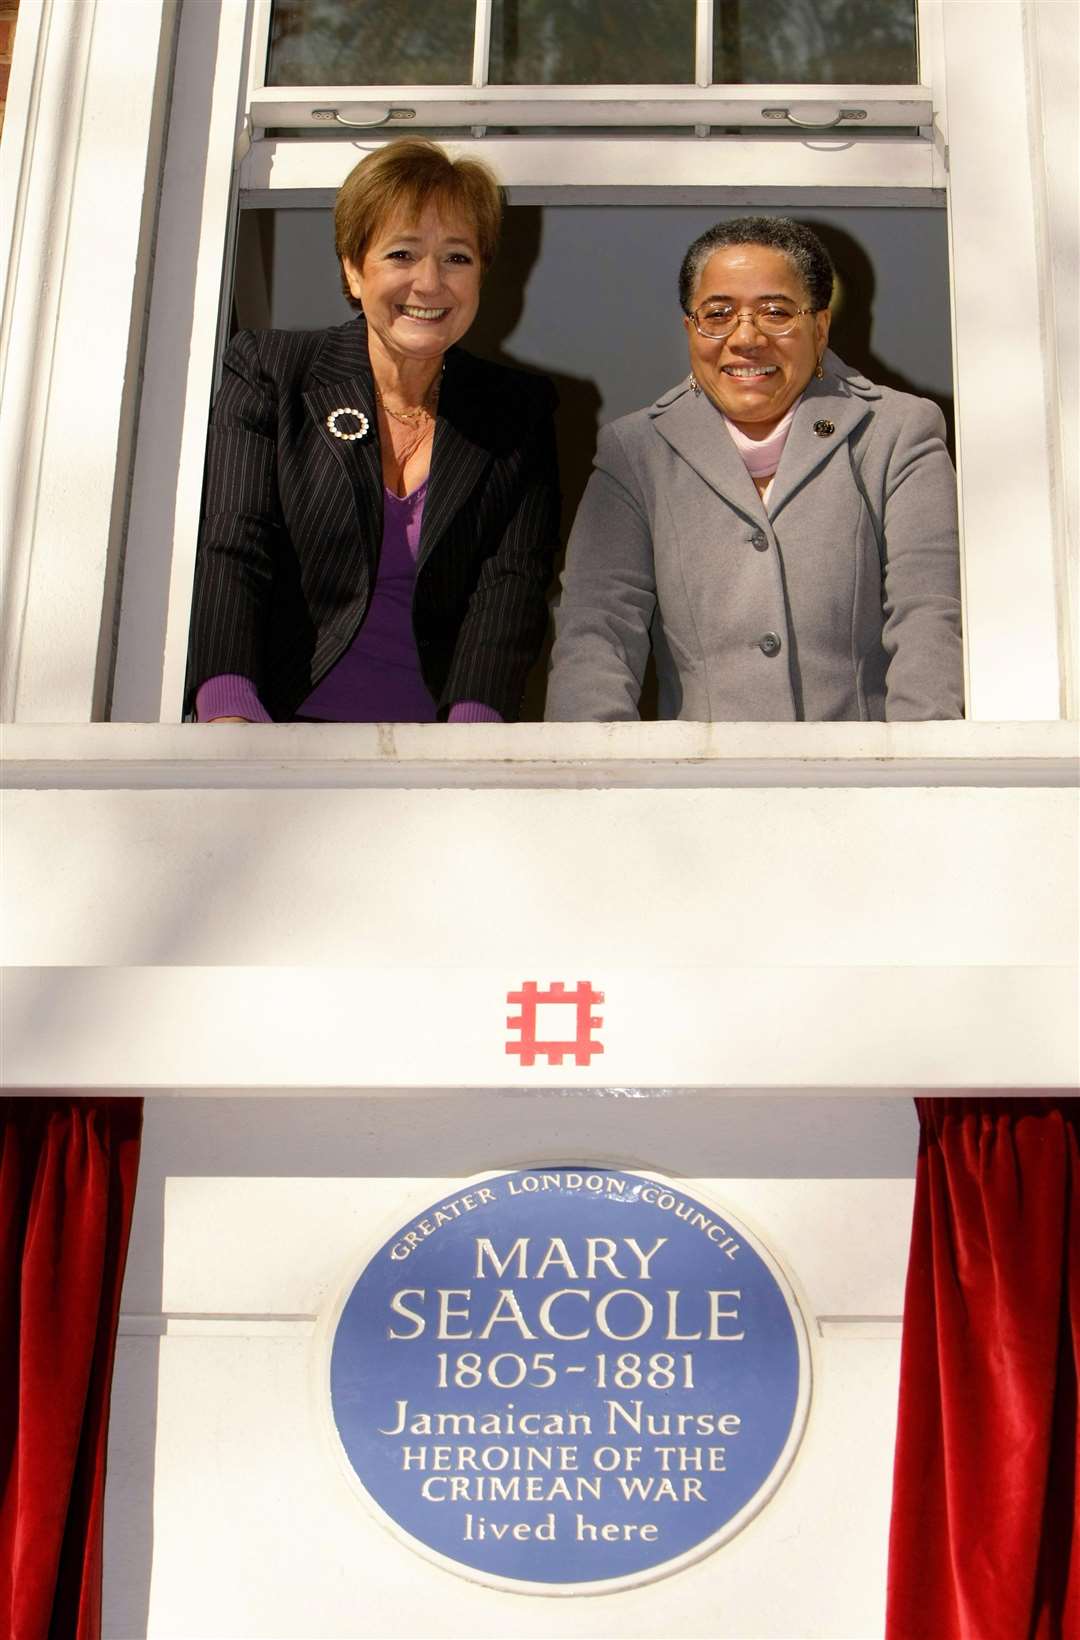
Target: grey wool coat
x,y
838,599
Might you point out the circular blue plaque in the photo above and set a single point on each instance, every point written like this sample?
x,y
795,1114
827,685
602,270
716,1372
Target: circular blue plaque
x,y
569,1380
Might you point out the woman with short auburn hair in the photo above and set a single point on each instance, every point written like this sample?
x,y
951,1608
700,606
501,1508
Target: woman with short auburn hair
x,y
381,511
780,529
401,180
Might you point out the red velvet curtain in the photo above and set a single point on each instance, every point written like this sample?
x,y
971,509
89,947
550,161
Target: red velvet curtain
x,y
985,1541
67,1186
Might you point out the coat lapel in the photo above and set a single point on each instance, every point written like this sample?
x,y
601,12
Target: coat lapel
x,y
695,430
825,419
460,453
340,378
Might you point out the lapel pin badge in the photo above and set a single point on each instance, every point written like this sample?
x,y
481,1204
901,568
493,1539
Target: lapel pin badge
x,y
360,431
824,429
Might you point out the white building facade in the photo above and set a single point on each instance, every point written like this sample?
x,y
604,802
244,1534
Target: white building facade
x,y
300,943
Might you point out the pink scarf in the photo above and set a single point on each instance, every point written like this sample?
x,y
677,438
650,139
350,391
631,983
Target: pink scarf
x,y
762,455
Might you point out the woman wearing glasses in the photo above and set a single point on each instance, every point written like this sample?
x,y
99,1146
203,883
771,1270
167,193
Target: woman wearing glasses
x,y
779,528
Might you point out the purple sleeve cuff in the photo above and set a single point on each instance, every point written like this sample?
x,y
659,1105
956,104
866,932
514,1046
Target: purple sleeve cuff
x,y
473,711
229,695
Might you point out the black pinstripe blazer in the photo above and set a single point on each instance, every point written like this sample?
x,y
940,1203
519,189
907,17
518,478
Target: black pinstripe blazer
x,y
293,518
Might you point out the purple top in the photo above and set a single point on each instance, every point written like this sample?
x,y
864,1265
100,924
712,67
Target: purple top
x,y
378,679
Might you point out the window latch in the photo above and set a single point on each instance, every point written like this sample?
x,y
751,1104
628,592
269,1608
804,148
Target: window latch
x,y
840,116
379,116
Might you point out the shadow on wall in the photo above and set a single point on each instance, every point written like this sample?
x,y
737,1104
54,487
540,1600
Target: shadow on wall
x,y
586,294
851,335
581,398
500,315
578,420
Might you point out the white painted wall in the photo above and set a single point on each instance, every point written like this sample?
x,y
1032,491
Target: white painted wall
x,y
328,929
250,1216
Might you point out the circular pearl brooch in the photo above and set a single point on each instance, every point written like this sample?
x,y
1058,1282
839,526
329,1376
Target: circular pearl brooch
x,y
348,410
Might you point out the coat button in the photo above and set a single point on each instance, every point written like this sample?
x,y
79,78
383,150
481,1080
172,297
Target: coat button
x,y
769,644
759,540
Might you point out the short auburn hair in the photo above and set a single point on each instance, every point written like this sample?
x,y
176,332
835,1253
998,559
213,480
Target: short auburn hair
x,y
401,180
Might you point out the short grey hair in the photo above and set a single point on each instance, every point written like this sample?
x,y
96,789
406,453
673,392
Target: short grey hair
x,y
795,240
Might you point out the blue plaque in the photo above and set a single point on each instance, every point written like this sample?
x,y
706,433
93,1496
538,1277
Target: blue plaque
x,y
569,1380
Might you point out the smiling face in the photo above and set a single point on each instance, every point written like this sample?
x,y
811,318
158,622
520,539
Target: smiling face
x,y
418,284
755,379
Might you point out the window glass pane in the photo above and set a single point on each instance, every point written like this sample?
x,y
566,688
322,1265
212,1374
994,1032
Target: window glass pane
x,y
371,42
592,42
808,42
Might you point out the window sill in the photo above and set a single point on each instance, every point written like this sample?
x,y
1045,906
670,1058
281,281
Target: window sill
x,y
578,755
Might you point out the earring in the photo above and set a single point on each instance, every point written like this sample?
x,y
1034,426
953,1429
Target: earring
x,y
695,385
819,373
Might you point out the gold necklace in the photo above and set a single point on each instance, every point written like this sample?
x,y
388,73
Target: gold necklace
x,y
410,418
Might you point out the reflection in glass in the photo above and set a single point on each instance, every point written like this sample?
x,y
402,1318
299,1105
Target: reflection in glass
x,y
371,42
815,42
592,42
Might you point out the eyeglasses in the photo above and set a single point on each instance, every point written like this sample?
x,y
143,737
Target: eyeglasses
x,y
718,319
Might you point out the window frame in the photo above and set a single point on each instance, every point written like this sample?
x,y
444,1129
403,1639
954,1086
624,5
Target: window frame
x,y
631,103
970,58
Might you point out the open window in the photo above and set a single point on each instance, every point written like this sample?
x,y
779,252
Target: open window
x,y
620,128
